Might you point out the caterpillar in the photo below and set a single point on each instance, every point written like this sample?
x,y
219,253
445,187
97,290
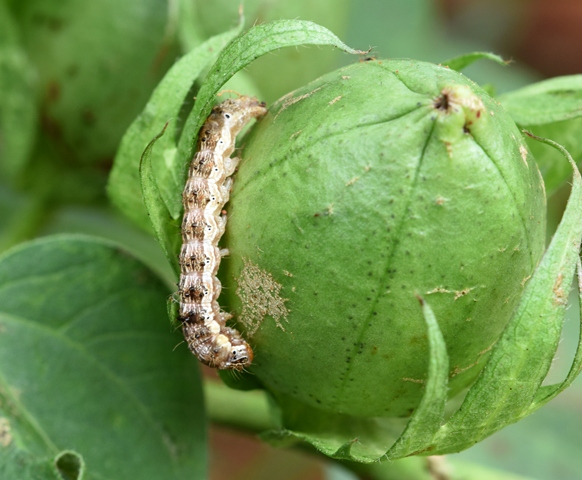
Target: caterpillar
x,y
206,191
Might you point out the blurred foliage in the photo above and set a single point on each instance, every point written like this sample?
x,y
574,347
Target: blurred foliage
x,y
285,70
70,378
74,74
96,64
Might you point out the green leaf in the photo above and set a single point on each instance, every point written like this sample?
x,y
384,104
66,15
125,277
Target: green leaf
x,y
241,52
293,67
164,106
519,362
18,116
548,392
170,175
189,28
463,61
16,463
343,437
428,416
544,102
554,170
165,227
551,109
97,63
88,364
102,222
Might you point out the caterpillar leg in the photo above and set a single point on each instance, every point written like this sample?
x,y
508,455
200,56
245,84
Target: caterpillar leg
x,y
230,165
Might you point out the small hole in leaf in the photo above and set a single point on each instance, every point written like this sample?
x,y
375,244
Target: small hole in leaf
x,y
69,465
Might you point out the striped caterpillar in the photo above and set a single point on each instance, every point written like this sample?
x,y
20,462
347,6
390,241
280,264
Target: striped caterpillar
x,y
207,190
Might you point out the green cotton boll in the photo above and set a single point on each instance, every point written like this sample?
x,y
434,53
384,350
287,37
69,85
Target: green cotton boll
x,y
372,186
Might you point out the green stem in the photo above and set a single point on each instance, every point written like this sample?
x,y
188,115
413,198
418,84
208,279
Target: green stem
x,y
246,411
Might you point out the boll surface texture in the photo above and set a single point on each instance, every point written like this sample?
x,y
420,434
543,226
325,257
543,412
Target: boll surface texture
x,y
372,186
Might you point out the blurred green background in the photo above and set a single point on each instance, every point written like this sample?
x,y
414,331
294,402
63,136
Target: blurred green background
x,y
79,72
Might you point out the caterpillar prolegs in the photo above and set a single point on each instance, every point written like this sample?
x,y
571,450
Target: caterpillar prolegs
x,y
207,190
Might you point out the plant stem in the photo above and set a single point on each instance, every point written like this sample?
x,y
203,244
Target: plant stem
x,y
251,414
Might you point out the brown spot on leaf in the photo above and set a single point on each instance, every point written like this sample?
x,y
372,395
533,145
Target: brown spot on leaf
x,y
413,380
53,91
440,200
5,432
458,369
290,100
457,293
50,126
462,293
438,290
349,183
560,297
88,117
298,132
335,99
